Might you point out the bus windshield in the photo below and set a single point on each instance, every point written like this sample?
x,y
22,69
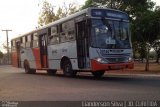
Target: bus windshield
x,y
110,34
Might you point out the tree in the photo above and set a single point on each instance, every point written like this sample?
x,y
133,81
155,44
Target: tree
x,y
156,47
1,55
146,31
6,48
152,55
116,4
88,3
66,10
7,56
140,50
48,15
156,43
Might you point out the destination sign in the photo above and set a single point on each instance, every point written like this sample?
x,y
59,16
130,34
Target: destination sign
x,y
108,14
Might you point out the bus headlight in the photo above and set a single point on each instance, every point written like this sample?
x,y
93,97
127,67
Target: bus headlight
x,y
130,59
101,60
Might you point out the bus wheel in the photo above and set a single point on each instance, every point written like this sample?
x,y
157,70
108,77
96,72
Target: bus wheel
x,y
67,69
98,74
28,70
51,72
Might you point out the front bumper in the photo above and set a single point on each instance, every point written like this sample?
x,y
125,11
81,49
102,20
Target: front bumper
x,y
96,66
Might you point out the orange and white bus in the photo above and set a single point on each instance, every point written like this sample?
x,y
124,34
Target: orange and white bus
x,y
93,40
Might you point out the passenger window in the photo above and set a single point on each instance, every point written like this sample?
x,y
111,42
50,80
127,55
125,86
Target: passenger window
x,y
23,45
23,39
54,37
13,47
35,40
28,41
68,31
29,38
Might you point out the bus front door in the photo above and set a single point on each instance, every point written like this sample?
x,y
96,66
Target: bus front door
x,y
43,51
82,44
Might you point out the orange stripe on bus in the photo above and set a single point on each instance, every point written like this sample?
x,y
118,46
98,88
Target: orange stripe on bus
x,y
14,57
99,66
36,53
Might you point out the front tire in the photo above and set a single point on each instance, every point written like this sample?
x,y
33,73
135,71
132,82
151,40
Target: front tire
x,y
98,74
67,69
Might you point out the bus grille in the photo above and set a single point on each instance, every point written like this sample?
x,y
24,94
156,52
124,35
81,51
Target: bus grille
x,y
116,60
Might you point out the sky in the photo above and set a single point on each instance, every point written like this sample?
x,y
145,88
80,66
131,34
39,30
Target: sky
x,y
21,16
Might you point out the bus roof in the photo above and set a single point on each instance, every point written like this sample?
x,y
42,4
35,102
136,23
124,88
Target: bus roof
x,y
84,11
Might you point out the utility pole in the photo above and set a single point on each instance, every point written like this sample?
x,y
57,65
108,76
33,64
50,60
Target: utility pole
x,y
7,43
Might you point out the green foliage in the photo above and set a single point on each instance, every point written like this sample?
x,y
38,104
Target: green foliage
x,y
65,10
1,55
140,50
156,47
152,55
88,3
6,48
48,15
116,4
142,28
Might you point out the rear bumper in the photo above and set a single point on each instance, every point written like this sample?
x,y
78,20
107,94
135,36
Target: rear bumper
x,y
96,66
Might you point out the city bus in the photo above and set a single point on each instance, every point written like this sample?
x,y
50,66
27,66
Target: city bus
x,y
92,40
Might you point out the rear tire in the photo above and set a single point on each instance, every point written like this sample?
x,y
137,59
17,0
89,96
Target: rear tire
x,y
98,74
51,72
67,69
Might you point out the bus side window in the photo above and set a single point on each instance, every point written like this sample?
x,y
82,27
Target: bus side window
x,y
68,31
13,47
63,27
35,40
71,35
63,37
28,41
71,30
23,45
53,35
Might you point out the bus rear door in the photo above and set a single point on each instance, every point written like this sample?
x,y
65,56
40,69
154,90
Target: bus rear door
x,y
43,50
